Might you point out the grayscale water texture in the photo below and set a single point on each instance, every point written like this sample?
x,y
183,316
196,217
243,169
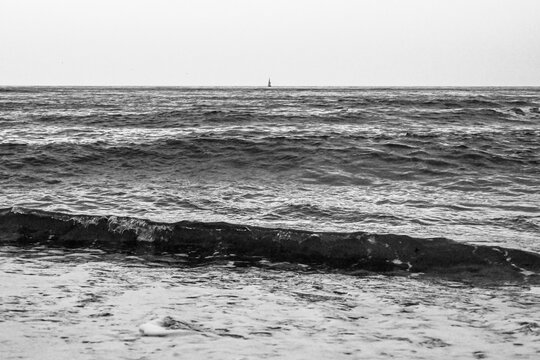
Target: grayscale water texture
x,y
458,163
463,164
60,304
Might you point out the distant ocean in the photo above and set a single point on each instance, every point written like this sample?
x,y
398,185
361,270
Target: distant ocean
x,y
270,222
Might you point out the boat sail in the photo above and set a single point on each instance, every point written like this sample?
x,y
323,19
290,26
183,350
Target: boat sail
x,y
269,83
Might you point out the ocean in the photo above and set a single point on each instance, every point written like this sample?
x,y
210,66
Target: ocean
x,y
270,222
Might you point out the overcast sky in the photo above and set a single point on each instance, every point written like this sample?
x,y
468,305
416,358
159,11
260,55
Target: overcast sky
x,y
296,42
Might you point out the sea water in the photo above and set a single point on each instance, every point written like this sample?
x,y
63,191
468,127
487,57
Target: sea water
x,y
428,163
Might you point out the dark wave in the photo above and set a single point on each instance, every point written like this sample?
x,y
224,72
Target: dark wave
x,y
356,114
210,241
353,155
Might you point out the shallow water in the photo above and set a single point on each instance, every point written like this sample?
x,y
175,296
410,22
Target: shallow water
x,y
87,304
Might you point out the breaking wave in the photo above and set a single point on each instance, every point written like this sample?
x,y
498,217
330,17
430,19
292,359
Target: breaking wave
x,y
202,242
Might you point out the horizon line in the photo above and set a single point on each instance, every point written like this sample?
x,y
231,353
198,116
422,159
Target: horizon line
x,y
274,86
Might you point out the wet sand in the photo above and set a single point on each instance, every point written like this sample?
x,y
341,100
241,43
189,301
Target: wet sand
x,y
87,304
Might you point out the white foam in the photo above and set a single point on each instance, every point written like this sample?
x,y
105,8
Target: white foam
x,y
156,328
144,231
535,290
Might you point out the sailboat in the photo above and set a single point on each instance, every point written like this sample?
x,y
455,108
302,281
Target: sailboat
x,y
269,83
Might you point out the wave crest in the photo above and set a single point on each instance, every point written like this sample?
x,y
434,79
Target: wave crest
x,y
201,241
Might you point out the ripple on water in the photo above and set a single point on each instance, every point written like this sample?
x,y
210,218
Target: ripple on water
x,y
60,303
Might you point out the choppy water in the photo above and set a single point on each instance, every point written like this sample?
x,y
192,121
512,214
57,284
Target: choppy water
x,y
458,163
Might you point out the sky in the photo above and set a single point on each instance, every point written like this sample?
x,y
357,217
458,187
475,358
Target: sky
x,y
295,42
